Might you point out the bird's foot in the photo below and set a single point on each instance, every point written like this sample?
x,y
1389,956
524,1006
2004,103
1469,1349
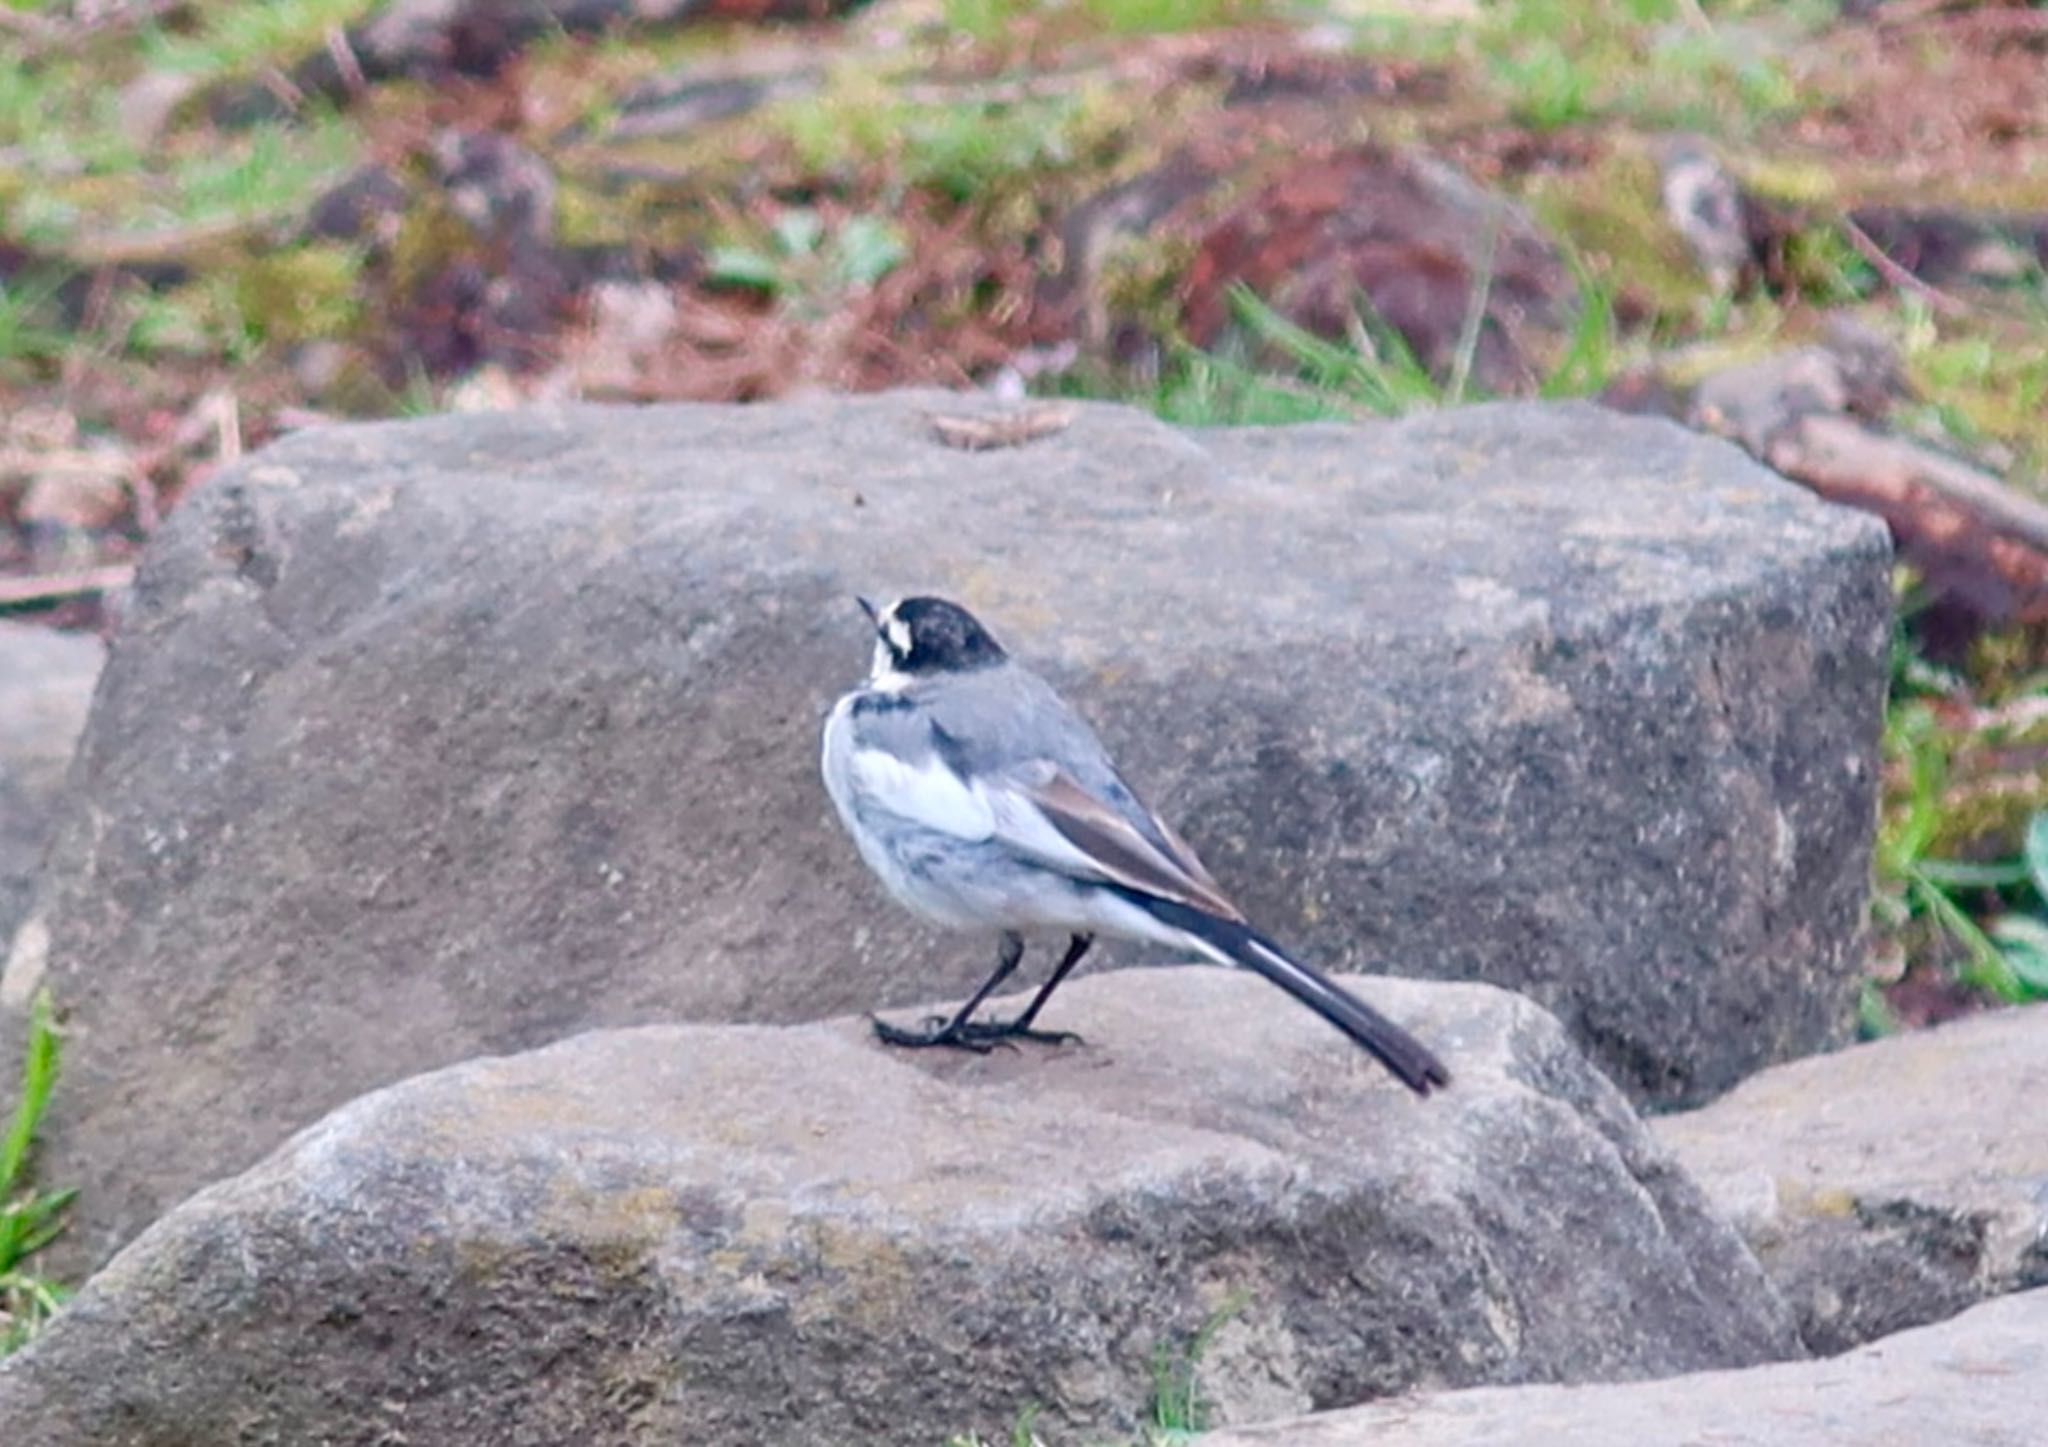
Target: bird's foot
x,y
980,1036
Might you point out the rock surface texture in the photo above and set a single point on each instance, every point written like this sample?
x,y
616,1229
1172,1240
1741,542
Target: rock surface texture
x,y
1891,1184
46,682
745,1234
459,735
1977,1381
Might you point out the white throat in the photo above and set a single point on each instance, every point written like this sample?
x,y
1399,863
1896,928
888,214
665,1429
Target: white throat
x,y
883,674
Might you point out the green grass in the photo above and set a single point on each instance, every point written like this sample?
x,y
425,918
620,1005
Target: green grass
x,y
801,263
1961,862
1657,63
1563,62
1551,87
961,150
59,116
239,39
1023,1433
1826,270
69,167
994,20
1178,1412
29,1218
1987,381
30,331
1203,389
266,170
1151,17
1275,372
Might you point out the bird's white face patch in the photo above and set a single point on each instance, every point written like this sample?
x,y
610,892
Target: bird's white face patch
x,y
892,646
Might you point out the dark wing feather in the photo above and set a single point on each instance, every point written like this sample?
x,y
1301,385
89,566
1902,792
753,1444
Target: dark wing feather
x,y
1006,723
1119,850
1184,855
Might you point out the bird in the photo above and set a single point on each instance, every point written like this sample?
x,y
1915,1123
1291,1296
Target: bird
x,y
983,801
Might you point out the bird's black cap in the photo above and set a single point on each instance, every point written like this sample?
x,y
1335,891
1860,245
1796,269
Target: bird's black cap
x,y
931,635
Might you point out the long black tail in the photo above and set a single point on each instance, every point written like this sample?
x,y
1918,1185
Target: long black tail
x,y
1232,943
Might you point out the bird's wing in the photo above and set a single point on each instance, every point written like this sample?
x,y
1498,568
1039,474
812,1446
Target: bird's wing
x,y
1043,812
1010,723
1000,757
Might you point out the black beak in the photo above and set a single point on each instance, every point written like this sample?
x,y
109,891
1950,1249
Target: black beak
x,y
869,609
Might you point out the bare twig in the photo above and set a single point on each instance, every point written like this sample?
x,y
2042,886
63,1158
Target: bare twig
x,y
986,434
283,87
345,62
1899,276
1695,16
227,421
148,502
56,587
1834,453
177,243
21,465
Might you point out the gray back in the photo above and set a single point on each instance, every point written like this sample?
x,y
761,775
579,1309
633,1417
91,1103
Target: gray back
x,y
994,720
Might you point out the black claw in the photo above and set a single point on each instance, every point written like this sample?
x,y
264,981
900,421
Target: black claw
x,y
1008,1032
935,1033
978,1036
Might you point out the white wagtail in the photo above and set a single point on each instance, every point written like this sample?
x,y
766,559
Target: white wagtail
x,y
984,802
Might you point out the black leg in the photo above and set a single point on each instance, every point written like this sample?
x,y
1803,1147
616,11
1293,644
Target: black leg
x,y
955,1031
963,1032
1076,947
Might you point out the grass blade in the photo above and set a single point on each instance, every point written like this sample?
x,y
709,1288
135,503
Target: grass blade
x,y
38,1077
2036,851
1475,311
1970,874
1988,968
1588,360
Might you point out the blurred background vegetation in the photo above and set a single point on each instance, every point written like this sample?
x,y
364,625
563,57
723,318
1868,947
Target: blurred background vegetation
x,y
1818,228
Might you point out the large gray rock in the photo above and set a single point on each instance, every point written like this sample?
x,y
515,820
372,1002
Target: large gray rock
x,y
748,1234
1977,1381
46,681
1891,1184
452,736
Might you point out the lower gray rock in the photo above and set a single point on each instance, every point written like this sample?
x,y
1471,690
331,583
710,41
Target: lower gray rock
x,y
1978,1381
747,1234
1892,1184
46,683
